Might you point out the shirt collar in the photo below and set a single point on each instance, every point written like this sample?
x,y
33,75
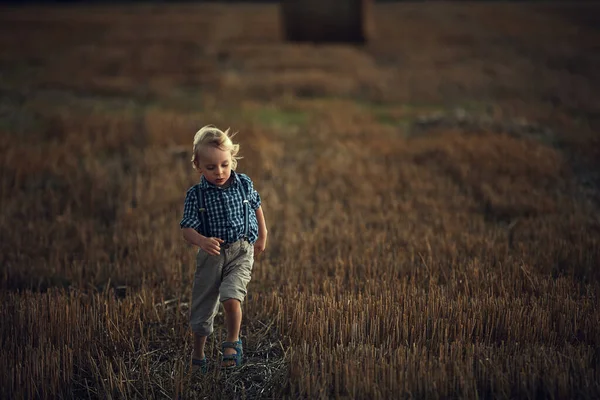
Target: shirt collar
x,y
204,184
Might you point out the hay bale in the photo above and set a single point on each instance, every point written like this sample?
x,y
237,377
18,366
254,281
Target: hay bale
x,y
320,21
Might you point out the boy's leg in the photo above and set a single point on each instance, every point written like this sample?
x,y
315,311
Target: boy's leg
x,y
236,276
199,342
233,320
205,299
200,338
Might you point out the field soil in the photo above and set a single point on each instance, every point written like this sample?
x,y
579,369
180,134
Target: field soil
x,y
432,199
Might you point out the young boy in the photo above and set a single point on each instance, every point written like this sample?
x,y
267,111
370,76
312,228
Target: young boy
x,y
223,216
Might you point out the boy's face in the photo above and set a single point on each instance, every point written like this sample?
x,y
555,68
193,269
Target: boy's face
x,y
214,164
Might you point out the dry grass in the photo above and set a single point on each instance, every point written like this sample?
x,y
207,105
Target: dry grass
x,y
432,203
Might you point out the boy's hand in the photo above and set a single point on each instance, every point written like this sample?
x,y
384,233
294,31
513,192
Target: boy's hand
x,y
260,246
211,245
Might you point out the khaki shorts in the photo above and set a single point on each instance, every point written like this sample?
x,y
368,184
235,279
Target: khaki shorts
x,y
219,278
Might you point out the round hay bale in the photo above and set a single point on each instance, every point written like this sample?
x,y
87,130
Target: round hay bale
x,y
321,21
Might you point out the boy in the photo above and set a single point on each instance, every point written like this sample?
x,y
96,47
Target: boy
x,y
222,216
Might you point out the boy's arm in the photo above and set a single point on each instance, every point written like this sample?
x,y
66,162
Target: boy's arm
x,y
192,237
190,224
261,243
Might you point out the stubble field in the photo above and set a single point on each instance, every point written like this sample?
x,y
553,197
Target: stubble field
x,y
431,198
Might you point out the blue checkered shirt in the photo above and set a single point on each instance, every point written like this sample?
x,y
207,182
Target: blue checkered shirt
x,y
225,210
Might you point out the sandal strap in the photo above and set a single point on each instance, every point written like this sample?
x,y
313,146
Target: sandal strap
x,y
235,357
232,345
200,362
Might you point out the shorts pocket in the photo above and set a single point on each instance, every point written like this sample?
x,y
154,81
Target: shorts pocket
x,y
201,258
249,247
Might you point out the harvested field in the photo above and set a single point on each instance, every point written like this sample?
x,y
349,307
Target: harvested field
x,y
432,201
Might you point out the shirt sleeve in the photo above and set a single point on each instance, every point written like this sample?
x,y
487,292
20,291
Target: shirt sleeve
x,y
190,211
253,196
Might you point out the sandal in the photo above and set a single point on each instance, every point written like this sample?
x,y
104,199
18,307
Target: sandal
x,y
237,356
200,365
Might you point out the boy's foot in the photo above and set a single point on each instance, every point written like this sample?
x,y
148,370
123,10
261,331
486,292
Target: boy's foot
x,y
232,354
199,365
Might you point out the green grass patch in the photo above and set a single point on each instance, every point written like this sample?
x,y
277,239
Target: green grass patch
x,y
405,115
277,118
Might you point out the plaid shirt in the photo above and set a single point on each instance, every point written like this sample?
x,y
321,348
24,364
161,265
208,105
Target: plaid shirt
x,y
225,209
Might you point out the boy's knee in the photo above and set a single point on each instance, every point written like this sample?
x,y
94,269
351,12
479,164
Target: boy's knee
x,y
231,305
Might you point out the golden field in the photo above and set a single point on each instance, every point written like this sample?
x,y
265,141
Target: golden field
x,y
431,197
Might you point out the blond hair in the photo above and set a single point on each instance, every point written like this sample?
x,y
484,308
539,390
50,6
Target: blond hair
x,y
209,135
